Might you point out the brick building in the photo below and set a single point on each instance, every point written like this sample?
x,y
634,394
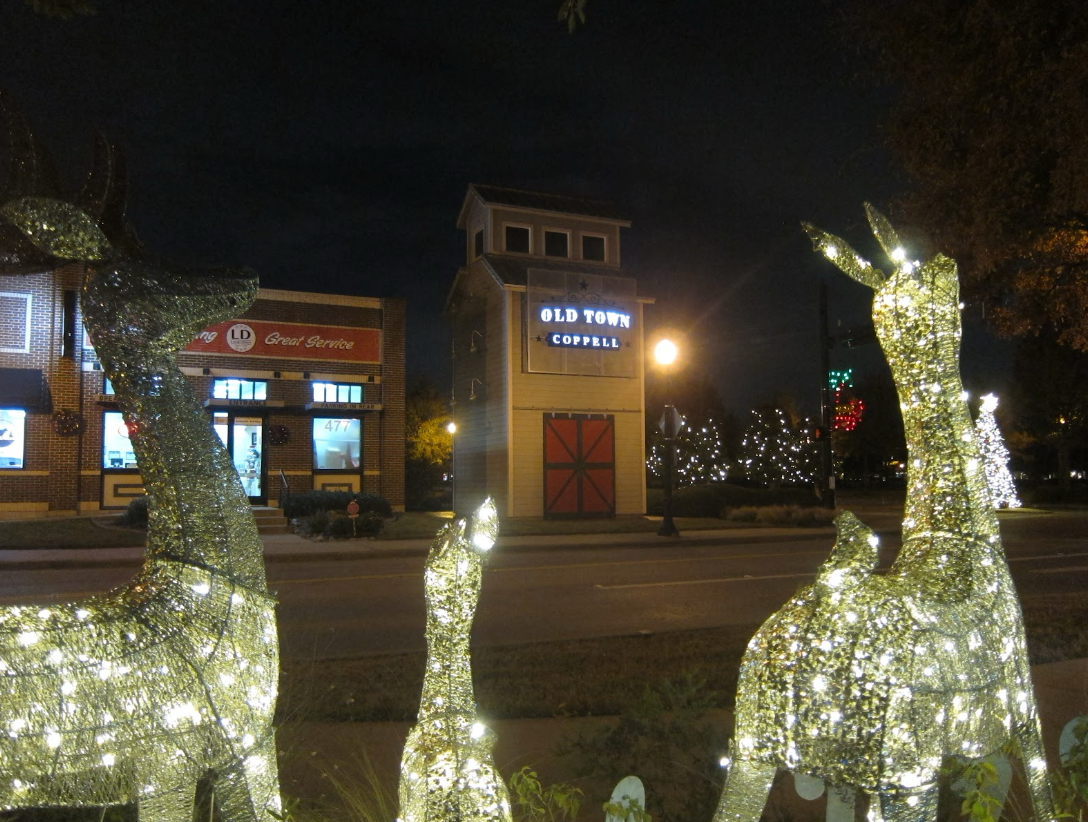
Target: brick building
x,y
304,389
548,359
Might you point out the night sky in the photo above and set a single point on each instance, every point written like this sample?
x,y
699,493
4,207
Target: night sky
x,y
329,146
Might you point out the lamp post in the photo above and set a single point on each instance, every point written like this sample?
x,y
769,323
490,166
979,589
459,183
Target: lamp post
x,y
671,422
451,427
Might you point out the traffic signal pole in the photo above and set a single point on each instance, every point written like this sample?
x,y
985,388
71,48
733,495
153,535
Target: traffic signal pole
x,y
827,403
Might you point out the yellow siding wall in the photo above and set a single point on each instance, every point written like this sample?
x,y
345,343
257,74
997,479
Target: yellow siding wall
x,y
536,394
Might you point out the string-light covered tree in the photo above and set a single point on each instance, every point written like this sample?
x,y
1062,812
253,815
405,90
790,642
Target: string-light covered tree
x,y
775,452
701,455
995,456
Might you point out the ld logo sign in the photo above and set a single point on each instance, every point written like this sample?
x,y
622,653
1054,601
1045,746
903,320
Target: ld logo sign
x,y
240,338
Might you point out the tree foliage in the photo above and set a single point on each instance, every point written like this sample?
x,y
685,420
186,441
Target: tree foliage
x,y
426,416
989,124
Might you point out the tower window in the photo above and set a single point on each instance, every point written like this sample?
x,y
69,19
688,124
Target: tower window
x,y
517,239
592,247
478,243
556,244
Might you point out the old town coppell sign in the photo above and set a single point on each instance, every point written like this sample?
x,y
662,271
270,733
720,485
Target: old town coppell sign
x,y
588,317
581,323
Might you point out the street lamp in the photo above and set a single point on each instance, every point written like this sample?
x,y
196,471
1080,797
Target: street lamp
x,y
665,353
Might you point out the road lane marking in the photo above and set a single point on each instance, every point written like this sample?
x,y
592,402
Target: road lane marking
x,y
51,597
746,578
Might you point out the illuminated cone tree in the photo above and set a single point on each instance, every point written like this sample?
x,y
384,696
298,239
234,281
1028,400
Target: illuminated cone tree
x,y
774,452
995,456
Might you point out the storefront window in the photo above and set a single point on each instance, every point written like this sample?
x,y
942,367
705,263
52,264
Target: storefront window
x,y
232,389
337,392
336,443
116,448
12,437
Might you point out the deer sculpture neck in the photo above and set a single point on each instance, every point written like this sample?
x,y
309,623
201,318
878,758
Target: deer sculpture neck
x,y
447,770
950,532
138,319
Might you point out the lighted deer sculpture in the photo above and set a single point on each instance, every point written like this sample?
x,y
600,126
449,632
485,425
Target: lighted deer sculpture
x,y
136,695
869,682
447,773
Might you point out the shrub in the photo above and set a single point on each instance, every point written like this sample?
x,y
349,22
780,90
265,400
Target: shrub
x,y
308,502
338,525
710,500
668,739
787,515
135,515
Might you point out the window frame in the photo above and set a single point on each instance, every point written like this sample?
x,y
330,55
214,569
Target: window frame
x,y
28,321
314,440
604,246
104,459
479,244
18,439
558,232
505,238
242,381
351,387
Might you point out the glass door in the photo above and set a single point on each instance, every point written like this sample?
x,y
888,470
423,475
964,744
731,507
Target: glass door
x,y
244,438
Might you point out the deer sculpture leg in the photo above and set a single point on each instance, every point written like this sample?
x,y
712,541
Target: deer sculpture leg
x,y
871,682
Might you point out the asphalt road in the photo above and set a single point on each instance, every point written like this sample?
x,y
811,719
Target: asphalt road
x,y
350,607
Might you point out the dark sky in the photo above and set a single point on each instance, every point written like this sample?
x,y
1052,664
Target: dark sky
x,y
329,146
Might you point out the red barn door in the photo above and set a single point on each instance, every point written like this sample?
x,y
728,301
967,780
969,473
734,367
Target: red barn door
x,y
579,466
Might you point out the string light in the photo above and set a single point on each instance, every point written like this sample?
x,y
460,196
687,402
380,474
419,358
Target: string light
x,y
870,681
447,772
774,452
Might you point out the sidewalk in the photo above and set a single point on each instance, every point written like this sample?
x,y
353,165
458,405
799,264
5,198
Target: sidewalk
x,y
293,548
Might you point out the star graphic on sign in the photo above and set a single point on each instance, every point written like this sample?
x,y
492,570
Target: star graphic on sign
x,y
539,338
583,285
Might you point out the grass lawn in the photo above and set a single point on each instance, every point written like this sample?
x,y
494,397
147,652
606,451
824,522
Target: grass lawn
x,y
590,677
70,532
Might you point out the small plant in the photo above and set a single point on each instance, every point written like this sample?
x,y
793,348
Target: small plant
x,y
135,515
1070,785
533,802
629,810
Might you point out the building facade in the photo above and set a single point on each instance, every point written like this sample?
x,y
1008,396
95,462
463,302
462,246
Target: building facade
x,y
306,390
548,359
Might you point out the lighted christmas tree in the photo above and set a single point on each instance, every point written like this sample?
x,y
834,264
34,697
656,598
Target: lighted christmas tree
x,y
774,452
700,455
995,456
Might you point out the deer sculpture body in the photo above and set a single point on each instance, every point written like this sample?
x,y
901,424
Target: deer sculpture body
x,y
137,695
447,773
869,682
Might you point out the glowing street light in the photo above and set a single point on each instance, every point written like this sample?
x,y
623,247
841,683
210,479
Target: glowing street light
x,y
451,426
665,352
